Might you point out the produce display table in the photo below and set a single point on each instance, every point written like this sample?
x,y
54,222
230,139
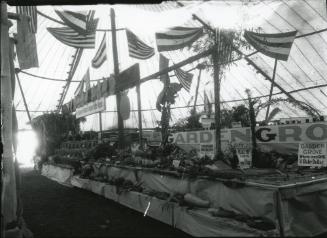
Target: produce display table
x,y
296,204
60,173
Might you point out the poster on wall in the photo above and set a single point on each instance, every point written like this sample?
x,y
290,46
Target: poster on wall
x,y
312,154
91,108
244,155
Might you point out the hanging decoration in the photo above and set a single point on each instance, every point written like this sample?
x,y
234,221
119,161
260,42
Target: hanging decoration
x,y
177,38
30,11
26,44
125,106
73,37
277,46
184,78
76,20
138,49
101,54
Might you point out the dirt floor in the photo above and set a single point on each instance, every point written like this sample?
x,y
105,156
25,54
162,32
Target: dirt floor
x,y
53,210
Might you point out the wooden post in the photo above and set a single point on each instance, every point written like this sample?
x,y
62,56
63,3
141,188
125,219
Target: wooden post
x,y
8,188
200,67
252,125
116,73
139,112
271,89
100,125
23,96
216,71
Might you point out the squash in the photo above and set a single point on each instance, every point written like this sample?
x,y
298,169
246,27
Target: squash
x,y
196,201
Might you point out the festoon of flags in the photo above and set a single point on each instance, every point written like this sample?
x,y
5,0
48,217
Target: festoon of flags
x,y
80,30
101,54
277,46
137,48
177,38
184,78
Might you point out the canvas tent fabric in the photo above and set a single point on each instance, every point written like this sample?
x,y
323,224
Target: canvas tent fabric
x,y
305,68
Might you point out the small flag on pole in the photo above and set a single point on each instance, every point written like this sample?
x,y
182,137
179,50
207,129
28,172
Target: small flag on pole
x,y
30,11
277,46
138,49
177,38
101,54
184,78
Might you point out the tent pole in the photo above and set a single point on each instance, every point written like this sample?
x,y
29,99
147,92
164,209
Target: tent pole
x,y
216,81
139,112
8,185
271,90
116,73
23,96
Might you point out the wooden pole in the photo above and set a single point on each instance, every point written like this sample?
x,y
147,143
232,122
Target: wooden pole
x,y
8,188
200,67
216,71
100,125
139,112
116,73
271,89
24,100
252,125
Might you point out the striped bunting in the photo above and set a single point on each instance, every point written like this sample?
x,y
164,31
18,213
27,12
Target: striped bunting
x,y
177,38
101,54
184,78
277,46
70,37
75,20
138,49
32,13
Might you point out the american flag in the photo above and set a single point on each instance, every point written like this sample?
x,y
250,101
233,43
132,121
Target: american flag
x,y
75,20
71,37
30,11
138,49
101,54
277,45
184,78
177,38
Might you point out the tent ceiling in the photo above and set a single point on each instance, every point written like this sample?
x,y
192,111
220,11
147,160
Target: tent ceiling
x,y
306,66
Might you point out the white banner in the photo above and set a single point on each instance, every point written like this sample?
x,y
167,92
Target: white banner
x,y
312,154
281,138
91,108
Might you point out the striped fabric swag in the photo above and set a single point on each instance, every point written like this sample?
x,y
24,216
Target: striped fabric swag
x,y
101,54
177,38
75,20
184,78
70,37
277,46
30,11
138,49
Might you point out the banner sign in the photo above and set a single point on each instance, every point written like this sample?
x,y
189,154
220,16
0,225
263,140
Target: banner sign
x,y
312,154
282,138
91,108
244,154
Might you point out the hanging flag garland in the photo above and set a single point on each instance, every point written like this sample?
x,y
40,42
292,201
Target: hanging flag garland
x,y
101,54
277,46
75,20
184,78
177,38
138,49
73,35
